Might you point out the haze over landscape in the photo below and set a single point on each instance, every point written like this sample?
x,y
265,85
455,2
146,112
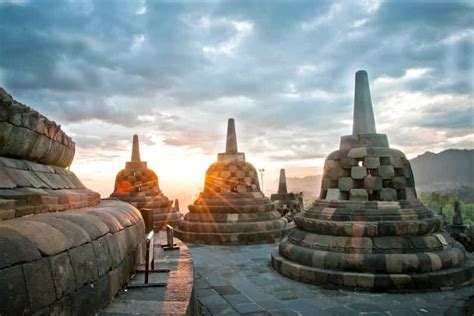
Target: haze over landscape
x,y
173,74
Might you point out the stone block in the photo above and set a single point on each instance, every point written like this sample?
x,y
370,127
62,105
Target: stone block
x,y
225,174
410,194
345,184
7,214
396,162
15,248
336,173
333,194
359,152
373,183
13,292
84,264
358,172
75,233
358,195
371,162
347,162
241,188
399,182
48,239
39,281
5,181
84,302
63,274
387,194
386,172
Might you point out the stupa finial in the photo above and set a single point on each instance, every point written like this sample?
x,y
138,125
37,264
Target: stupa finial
x,y
135,149
364,121
231,144
282,183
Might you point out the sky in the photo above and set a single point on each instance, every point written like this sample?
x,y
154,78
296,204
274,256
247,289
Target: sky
x,y
173,72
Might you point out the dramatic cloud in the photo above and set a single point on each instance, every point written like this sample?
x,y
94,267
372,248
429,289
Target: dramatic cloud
x,y
175,71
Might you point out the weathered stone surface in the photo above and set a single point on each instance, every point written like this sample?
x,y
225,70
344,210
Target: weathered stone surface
x,y
373,183
102,253
15,248
63,274
84,264
48,239
399,182
358,172
39,282
5,181
387,194
386,172
75,233
13,292
359,152
371,162
27,134
334,194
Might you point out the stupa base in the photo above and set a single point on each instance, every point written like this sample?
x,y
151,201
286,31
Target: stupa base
x,y
244,238
461,275
160,220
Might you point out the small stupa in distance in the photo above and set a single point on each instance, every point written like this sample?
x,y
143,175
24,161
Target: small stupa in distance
x,y
232,209
288,204
139,186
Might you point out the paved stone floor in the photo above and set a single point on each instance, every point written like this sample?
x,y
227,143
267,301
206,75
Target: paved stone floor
x,y
175,299
239,280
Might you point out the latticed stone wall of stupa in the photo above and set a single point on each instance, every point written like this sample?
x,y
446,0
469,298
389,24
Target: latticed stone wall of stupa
x,y
231,177
368,173
136,181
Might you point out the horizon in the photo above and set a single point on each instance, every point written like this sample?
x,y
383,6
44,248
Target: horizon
x,y
173,73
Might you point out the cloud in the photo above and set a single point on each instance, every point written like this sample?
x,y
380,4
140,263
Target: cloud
x,y
284,70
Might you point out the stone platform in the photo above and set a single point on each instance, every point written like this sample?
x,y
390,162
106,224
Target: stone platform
x,y
240,280
177,298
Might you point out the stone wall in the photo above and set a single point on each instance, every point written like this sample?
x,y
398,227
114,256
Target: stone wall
x,y
71,262
26,134
28,188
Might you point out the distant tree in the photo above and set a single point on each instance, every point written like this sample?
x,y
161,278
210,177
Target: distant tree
x,y
445,201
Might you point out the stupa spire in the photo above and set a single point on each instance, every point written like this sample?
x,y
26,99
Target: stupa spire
x,y
282,183
231,144
364,121
135,149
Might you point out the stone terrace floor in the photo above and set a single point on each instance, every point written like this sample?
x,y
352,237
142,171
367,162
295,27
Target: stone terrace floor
x,y
240,280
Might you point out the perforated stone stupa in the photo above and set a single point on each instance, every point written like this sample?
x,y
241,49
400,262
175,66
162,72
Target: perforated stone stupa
x,y
368,230
287,203
232,209
139,186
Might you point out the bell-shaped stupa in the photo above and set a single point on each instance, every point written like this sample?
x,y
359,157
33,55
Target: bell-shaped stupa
x,y
287,203
232,210
368,230
139,186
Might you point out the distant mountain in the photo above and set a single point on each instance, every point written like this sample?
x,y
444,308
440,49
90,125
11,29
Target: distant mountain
x,y
309,185
450,171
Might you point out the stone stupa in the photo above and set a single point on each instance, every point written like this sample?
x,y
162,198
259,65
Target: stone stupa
x,y
287,203
139,186
368,230
232,210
